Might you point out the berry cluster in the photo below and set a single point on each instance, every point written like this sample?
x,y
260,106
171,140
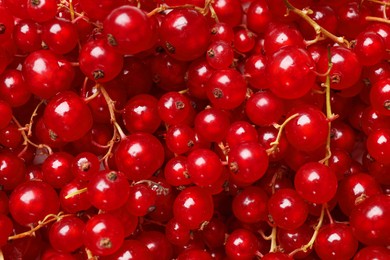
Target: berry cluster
x,y
194,129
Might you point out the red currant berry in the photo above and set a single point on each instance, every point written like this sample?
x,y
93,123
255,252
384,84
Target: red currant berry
x,y
31,201
103,234
66,235
139,155
316,182
193,207
67,116
108,190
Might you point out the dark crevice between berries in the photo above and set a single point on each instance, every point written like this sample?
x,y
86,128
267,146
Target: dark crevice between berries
x,y
2,28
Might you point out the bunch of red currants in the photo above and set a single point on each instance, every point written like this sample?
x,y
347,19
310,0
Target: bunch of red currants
x,y
194,129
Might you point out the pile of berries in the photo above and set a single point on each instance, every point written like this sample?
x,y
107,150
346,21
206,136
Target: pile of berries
x,y
194,129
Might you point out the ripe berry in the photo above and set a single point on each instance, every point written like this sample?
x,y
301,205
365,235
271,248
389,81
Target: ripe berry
x,y
316,182
67,116
46,74
139,155
108,190
175,28
31,201
103,234
193,207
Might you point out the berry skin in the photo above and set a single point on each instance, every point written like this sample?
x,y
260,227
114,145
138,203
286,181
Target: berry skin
x,y
369,221
316,182
46,74
248,162
175,29
139,155
99,61
192,207
291,71
67,116
31,201
103,234
108,190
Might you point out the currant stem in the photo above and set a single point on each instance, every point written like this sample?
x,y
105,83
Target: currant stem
x,y
329,114
1,255
90,255
377,19
318,29
274,245
310,244
77,192
48,219
111,109
34,114
380,2
91,97
274,144
27,141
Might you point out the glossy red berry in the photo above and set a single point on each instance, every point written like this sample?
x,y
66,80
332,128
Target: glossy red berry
x,y
56,169
129,30
41,10
316,182
140,114
108,190
378,145
248,162
264,108
13,88
335,241
226,89
31,201
67,116
369,220
139,155
380,97
141,200
308,130
204,167
354,188
47,74
103,234
291,70
193,207
66,235
346,68
175,28
99,61
241,244
85,165
250,205
212,124
287,209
